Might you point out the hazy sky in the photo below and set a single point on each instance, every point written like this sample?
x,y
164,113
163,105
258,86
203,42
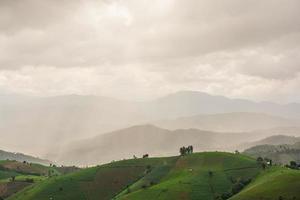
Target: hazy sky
x,y
137,49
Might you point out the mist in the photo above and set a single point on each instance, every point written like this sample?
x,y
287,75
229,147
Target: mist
x,y
78,78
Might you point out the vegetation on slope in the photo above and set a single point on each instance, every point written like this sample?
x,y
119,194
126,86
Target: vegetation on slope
x,y
274,183
4,155
195,176
14,175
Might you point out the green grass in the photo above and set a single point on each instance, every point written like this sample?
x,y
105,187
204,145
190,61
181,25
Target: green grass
x,y
271,184
151,178
169,178
7,174
189,178
104,181
27,168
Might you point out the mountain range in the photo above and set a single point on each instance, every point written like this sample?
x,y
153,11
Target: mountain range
x,y
46,125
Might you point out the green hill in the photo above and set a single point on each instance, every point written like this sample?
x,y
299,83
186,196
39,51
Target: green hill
x,y
205,176
274,183
197,176
5,155
14,175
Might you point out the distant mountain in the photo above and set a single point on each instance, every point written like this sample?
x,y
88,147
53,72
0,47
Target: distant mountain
x,y
281,154
142,139
272,140
52,121
4,155
189,103
45,125
280,148
231,122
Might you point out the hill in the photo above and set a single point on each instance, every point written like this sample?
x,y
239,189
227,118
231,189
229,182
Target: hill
x,y
272,140
14,175
5,155
142,139
281,154
195,176
274,183
228,122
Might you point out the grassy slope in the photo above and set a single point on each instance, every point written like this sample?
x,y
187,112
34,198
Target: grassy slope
x,y
23,172
104,181
271,184
189,178
26,168
164,178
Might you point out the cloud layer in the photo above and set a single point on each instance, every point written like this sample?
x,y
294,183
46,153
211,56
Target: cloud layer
x,y
136,49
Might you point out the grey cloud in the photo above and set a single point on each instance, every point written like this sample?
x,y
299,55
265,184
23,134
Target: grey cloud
x,y
64,34
222,47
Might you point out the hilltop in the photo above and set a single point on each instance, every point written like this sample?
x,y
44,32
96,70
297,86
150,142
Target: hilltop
x,y
195,176
206,176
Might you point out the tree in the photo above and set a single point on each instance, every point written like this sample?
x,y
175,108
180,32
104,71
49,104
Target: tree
x,y
145,155
293,165
186,150
182,151
259,159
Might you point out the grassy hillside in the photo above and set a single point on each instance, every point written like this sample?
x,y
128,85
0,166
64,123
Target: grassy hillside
x,y
196,176
4,155
274,183
14,175
27,168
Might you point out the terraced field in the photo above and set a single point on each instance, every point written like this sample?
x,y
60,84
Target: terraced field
x,y
15,176
196,176
205,176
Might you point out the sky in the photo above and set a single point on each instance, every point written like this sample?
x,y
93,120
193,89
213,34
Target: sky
x,y
139,50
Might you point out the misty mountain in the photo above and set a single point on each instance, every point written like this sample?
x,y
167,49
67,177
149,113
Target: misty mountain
x,y
52,121
44,125
272,140
5,155
231,122
281,154
142,139
278,139
189,103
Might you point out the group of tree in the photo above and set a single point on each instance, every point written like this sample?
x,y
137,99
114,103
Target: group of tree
x,y
293,165
186,150
264,162
237,186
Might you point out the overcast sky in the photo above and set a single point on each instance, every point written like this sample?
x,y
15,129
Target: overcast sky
x,y
138,49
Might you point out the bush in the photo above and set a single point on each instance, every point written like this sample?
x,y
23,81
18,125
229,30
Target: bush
x,y
29,180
